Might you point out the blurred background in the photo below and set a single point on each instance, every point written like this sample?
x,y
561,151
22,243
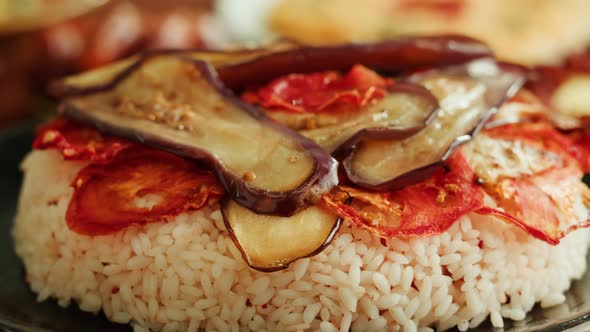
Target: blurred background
x,y
41,40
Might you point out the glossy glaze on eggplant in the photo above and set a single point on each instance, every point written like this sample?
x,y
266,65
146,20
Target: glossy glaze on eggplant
x,y
178,104
186,103
389,57
469,95
404,111
271,243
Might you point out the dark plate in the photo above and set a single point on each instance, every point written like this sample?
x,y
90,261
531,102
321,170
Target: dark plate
x,y
19,311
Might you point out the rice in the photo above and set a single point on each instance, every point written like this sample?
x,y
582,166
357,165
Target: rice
x,y
187,274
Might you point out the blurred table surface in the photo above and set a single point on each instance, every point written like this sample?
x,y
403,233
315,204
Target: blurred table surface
x,y
30,58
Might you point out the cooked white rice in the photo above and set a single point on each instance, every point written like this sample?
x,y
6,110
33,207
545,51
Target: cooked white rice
x,y
187,273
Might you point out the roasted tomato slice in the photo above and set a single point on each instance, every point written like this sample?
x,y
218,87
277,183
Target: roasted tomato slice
x,y
137,187
546,140
519,173
545,205
76,141
431,207
530,171
424,209
318,92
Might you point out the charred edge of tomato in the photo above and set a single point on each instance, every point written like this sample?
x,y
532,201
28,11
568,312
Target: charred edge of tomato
x,y
536,233
234,239
280,203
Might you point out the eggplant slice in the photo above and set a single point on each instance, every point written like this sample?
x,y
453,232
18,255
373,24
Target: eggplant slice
x,y
404,111
390,57
177,104
107,77
239,69
468,94
271,243
157,99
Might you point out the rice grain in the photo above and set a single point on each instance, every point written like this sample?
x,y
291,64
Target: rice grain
x,y
186,273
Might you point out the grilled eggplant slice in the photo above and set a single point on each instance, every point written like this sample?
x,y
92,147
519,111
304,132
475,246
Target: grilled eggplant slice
x,y
157,100
469,95
107,77
404,111
177,104
271,243
244,68
391,57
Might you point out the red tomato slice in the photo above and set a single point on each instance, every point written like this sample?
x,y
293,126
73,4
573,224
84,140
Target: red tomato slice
x,y
575,144
137,187
533,203
320,92
433,206
78,142
545,204
424,209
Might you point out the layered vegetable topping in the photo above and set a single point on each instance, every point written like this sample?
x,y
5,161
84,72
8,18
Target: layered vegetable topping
x,y
139,185
189,113
469,95
401,138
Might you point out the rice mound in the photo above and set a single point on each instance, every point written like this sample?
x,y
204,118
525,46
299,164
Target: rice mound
x,y
187,274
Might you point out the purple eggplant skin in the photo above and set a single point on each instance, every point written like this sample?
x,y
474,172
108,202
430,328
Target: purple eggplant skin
x,y
409,178
59,89
501,95
253,67
283,265
283,203
382,133
389,57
